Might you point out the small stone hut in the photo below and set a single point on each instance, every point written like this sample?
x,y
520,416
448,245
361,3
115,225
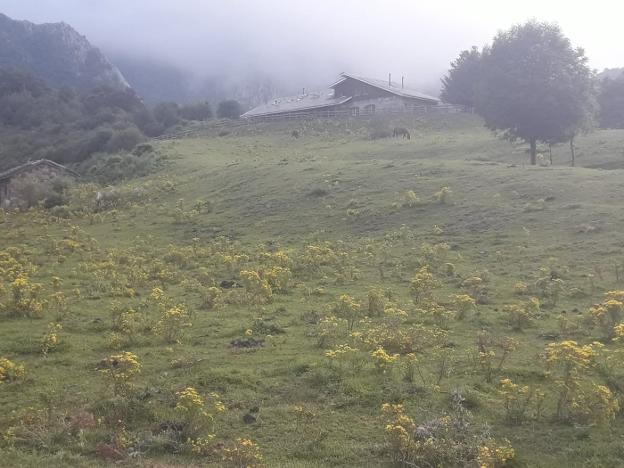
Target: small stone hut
x,y
42,169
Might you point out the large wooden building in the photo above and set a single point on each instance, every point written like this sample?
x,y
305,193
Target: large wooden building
x,y
351,94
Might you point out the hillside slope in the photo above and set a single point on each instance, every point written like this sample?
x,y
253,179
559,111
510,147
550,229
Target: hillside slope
x,y
56,53
319,217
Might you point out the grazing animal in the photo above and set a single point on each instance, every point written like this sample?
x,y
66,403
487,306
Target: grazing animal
x,y
295,134
401,132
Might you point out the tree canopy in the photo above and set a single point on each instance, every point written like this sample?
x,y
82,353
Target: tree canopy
x,y
611,99
531,84
229,109
462,80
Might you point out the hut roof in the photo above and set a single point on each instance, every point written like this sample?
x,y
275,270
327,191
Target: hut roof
x,y
302,102
394,88
31,164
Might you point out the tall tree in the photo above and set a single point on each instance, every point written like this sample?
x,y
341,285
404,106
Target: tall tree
x,y
535,86
460,84
611,101
229,109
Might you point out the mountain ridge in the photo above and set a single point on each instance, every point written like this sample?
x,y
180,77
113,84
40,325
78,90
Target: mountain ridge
x,y
57,53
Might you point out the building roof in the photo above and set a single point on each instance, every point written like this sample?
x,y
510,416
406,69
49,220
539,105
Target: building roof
x,y
395,88
30,164
302,102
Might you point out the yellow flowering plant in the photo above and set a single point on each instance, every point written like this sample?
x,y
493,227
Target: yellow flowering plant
x,y
50,339
348,308
172,324
10,372
120,369
243,453
198,411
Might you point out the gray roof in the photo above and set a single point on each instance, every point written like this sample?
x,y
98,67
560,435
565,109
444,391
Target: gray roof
x,y
394,89
30,164
303,102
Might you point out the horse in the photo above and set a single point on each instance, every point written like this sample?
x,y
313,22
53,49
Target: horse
x,y
400,131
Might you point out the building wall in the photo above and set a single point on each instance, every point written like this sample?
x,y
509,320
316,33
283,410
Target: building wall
x,y
365,105
8,188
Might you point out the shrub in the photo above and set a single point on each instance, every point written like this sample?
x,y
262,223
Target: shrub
x,y
278,278
229,109
519,400
172,324
609,312
197,414
444,196
167,114
50,339
567,364
492,354
124,139
376,302
382,360
378,134
10,372
111,169
463,304
445,441
348,308
331,329
211,298
519,316
120,369
242,453
199,111
24,300
409,199
257,289
422,285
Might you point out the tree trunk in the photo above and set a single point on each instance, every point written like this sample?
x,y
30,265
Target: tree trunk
x,y
533,152
572,150
550,152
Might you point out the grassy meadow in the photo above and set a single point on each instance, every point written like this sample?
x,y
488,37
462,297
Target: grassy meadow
x,y
275,292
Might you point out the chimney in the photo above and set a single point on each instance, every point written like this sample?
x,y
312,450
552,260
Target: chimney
x,y
402,82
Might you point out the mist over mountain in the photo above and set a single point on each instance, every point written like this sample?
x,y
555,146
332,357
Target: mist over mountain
x,y
160,81
611,73
56,53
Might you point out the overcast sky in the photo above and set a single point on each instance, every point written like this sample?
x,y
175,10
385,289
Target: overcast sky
x,y
308,40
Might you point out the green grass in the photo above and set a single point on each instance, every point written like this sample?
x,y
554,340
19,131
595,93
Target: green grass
x,y
270,190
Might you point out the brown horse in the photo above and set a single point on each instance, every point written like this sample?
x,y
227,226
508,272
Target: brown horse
x,y
400,132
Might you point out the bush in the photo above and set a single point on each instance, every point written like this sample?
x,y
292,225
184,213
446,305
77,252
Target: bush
x,y
167,114
124,139
229,109
199,111
31,190
379,134
110,169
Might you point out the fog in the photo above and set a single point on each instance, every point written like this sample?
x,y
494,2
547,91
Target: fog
x,y
306,43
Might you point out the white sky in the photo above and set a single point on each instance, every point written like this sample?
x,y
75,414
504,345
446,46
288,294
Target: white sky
x,y
304,38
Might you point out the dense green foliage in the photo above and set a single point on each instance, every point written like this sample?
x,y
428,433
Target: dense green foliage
x,y
200,111
461,83
535,86
611,100
37,121
530,84
40,122
229,109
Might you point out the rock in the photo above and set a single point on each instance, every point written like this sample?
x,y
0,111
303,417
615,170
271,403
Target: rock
x,y
249,418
